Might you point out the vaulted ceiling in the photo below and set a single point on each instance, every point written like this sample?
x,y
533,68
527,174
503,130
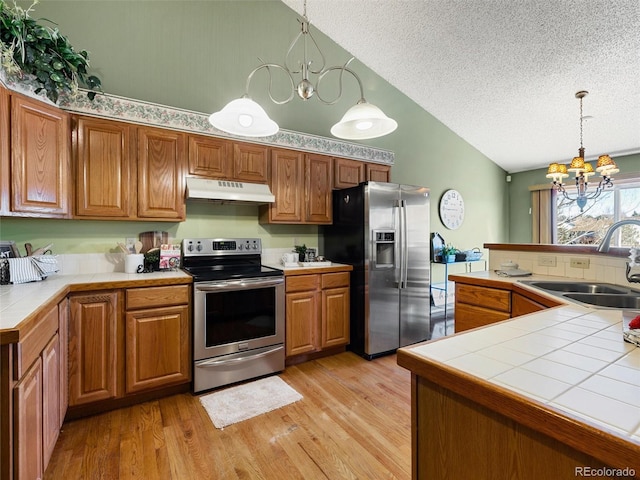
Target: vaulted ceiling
x,y
503,74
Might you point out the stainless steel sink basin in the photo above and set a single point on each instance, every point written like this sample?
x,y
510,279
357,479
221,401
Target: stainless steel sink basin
x,y
580,287
631,301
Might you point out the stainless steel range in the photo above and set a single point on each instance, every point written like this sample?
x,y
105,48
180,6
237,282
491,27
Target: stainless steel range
x,y
238,311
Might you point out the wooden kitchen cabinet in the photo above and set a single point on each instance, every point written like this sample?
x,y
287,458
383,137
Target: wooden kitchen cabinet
x,y
347,173
210,157
250,163
95,347
37,399
317,312
478,306
40,167
105,168
161,174
377,173
5,152
522,305
301,184
157,337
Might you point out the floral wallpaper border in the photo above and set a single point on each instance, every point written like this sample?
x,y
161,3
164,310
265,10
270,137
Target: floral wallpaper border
x,y
146,113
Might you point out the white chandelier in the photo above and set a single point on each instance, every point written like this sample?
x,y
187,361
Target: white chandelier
x,y
583,170
245,117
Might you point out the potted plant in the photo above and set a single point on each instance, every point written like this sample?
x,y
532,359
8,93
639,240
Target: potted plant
x,y
448,253
39,55
301,250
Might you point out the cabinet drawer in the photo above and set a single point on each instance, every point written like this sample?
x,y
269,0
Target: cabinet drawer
x,y
301,283
29,349
150,297
493,298
332,280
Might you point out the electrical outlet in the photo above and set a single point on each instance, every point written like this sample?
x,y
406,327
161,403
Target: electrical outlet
x,y
547,261
579,262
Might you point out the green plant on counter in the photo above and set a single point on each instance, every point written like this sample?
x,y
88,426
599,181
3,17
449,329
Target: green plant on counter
x,y
40,54
301,250
448,251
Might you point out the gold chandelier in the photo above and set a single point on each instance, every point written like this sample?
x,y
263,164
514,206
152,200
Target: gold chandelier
x,y
583,170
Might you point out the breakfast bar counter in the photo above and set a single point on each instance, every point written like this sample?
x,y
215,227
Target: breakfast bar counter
x,y
552,394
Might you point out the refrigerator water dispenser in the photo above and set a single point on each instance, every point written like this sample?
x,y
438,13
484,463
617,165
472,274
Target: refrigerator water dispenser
x,y
385,247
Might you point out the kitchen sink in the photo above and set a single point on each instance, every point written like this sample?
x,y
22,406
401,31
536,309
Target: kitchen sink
x,y
596,294
608,300
580,287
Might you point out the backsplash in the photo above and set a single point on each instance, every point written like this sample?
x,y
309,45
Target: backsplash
x,y
601,268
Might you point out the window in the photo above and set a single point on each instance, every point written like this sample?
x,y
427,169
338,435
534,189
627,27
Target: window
x,y
620,202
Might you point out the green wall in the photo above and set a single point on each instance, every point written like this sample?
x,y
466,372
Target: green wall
x,y
197,55
520,197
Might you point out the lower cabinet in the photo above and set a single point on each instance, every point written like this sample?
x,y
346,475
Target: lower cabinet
x,y
113,355
38,399
317,312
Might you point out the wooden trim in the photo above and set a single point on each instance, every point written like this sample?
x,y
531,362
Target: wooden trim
x,y
551,248
577,433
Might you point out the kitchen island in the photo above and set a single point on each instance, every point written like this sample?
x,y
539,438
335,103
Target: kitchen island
x,y
552,394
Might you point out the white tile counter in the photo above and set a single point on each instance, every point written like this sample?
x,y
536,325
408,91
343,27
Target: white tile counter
x,y
19,302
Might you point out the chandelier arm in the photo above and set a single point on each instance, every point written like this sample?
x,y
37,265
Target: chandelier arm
x,y
342,70
286,57
268,66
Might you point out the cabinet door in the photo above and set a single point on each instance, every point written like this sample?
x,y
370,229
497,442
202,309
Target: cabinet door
x,y
161,184
302,322
40,158
318,198
470,316
522,305
63,333
250,163
335,317
157,348
28,424
347,173
94,348
50,397
377,173
287,185
210,157
5,152
104,168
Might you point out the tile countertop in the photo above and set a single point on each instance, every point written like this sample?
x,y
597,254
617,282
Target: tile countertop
x,y
18,303
569,359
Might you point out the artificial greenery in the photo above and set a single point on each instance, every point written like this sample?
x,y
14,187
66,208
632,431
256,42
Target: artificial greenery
x,y
448,250
28,48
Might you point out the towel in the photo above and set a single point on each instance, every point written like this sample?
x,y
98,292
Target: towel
x,y
46,264
22,270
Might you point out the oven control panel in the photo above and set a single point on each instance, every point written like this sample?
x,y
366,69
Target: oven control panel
x,y
220,246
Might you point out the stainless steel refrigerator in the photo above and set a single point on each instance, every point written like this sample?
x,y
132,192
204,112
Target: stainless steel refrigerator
x,y
382,229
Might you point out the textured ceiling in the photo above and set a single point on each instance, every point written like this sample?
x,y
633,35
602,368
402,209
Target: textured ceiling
x,y
502,74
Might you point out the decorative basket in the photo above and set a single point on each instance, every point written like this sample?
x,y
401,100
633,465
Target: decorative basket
x,y
474,254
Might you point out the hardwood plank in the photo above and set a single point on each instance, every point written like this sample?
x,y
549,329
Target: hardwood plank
x,y
354,421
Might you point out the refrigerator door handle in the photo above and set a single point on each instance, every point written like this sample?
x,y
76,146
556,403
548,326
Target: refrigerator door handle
x,y
404,254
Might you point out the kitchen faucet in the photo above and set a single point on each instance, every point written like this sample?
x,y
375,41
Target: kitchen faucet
x,y
604,245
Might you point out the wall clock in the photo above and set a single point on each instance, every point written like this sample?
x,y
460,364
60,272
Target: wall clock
x,y
452,209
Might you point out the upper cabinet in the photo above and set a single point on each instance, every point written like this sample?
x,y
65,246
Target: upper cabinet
x,y
5,155
105,168
111,157
226,160
40,159
347,173
301,184
377,173
161,183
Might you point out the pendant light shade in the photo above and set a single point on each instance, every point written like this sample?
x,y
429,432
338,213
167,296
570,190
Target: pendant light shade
x,y
363,121
244,117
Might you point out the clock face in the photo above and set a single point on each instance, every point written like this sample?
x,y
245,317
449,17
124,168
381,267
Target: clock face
x,y
452,209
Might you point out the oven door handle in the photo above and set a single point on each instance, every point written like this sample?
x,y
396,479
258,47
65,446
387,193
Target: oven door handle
x,y
236,284
231,361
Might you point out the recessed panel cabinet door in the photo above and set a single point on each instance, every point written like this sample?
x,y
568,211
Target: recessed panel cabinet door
x,y
5,152
347,173
51,397
250,163
287,185
40,159
28,424
210,157
161,167
157,347
302,322
104,168
318,173
95,347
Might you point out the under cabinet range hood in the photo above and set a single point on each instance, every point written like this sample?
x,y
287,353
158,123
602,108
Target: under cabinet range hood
x,y
228,191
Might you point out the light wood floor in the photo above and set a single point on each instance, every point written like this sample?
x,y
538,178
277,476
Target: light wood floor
x,y
353,422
